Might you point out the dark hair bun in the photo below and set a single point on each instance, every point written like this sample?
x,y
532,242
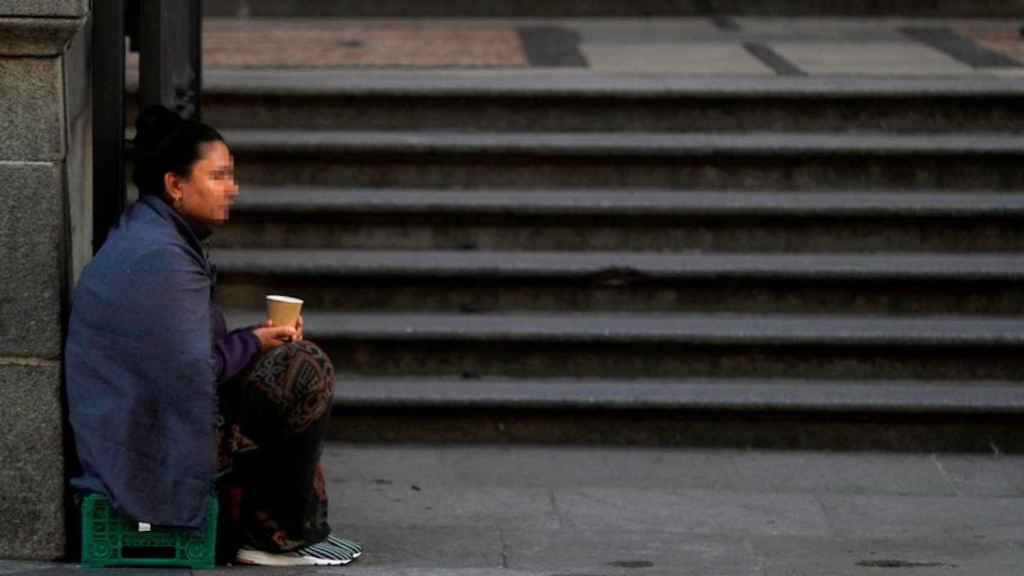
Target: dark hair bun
x,y
165,142
154,125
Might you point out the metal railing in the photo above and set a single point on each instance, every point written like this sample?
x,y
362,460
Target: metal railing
x,y
168,36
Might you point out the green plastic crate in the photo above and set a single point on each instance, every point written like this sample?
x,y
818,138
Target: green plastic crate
x,y
109,539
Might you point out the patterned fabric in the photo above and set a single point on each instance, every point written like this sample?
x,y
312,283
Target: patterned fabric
x,y
272,423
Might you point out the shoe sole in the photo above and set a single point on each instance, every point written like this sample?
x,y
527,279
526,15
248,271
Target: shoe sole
x,y
260,558
354,549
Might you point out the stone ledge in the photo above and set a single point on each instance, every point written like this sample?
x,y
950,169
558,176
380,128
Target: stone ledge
x,y
37,36
819,331
770,145
44,8
531,84
295,200
512,265
749,395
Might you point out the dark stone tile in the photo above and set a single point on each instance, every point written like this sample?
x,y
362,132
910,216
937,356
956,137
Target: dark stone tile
x,y
772,59
960,48
552,46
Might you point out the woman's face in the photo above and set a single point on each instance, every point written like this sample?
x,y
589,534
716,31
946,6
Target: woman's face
x,y
207,194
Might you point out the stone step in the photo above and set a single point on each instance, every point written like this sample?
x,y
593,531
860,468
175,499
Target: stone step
x,y
620,281
606,8
844,414
667,345
699,394
587,101
618,220
629,160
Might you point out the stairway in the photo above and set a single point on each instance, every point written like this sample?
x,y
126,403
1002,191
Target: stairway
x,y
780,262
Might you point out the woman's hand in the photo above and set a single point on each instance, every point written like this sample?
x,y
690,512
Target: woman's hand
x,y
298,328
271,336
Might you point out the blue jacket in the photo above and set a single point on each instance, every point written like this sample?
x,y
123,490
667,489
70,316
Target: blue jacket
x,y
141,379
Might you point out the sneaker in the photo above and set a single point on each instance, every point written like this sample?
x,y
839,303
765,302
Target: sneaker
x,y
318,554
354,550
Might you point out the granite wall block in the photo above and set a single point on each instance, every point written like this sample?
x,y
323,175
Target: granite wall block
x,y
31,449
32,239
31,109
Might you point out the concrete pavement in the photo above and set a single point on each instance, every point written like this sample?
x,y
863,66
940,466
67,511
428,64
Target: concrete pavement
x,y
527,510
564,510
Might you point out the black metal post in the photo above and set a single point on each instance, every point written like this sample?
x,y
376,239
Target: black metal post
x,y
195,52
170,55
108,45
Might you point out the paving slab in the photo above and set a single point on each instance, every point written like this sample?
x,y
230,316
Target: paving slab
x,y
677,58
862,58
851,557
1008,73
401,547
829,28
816,30
651,31
383,465
620,552
340,44
981,475
411,503
9,567
673,470
968,518
841,473
360,569
691,512
701,511
536,467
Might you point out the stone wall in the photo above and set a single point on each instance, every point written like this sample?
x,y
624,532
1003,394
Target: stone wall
x,y
44,203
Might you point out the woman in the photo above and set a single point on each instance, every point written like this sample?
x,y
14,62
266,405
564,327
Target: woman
x,y
167,406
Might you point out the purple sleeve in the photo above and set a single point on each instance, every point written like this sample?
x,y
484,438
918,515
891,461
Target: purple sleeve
x,y
234,351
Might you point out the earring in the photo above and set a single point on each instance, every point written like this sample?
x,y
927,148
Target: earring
x,y
177,203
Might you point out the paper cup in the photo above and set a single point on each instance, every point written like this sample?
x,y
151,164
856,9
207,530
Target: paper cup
x,y
283,310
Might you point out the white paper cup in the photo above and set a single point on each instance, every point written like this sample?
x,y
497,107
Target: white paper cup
x,y
283,310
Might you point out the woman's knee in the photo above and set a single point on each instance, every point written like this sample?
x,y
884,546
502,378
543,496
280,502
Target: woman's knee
x,y
295,381
306,352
